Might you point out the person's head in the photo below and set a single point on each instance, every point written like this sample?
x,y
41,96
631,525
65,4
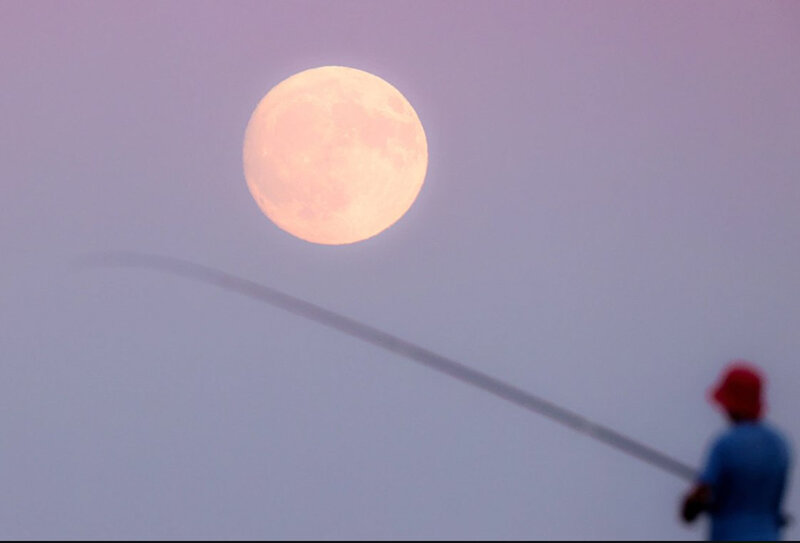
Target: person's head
x,y
739,392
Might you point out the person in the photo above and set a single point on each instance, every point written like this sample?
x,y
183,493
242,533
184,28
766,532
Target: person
x,y
744,479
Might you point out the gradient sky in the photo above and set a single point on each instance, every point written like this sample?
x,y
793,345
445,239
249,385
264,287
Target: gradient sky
x,y
610,215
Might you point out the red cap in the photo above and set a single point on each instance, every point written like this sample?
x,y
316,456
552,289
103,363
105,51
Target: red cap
x,y
739,392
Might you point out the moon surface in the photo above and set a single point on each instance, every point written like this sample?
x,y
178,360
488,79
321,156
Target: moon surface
x,y
334,155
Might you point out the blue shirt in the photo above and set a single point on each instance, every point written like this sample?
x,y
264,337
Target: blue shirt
x,y
747,469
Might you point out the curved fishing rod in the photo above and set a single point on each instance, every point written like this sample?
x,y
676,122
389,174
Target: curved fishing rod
x,y
379,338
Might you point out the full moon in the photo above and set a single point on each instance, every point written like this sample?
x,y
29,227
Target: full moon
x,y
334,155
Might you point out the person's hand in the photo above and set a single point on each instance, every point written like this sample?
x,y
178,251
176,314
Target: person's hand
x,y
696,502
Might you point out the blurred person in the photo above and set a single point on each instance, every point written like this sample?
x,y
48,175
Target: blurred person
x,y
744,479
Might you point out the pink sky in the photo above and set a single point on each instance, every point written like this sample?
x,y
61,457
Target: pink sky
x,y
610,214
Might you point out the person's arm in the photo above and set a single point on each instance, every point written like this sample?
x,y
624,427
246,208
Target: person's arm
x,y
784,519
700,498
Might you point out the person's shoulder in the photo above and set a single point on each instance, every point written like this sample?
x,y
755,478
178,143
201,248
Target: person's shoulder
x,y
737,434
776,435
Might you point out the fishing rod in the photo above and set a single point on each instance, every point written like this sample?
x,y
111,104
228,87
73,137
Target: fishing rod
x,y
394,344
